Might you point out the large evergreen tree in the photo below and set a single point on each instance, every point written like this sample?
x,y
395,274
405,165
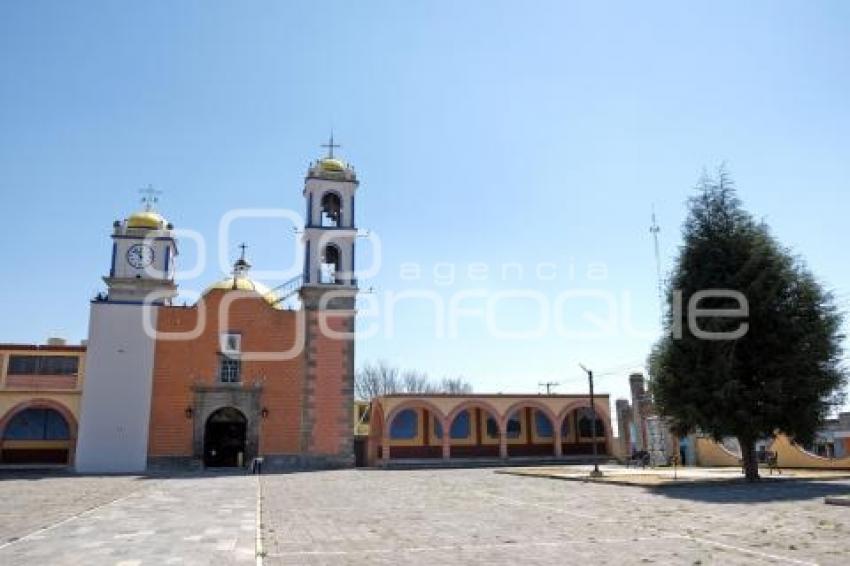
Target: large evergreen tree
x,y
785,373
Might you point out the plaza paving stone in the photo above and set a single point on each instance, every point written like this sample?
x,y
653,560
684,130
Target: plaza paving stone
x,y
666,476
32,500
207,519
479,517
415,517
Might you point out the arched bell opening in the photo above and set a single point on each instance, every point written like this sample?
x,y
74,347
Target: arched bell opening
x,y
329,272
331,210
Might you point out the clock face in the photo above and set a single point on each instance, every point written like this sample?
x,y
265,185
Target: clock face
x,y
140,255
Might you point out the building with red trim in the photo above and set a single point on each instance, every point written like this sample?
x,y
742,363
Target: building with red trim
x,y
455,427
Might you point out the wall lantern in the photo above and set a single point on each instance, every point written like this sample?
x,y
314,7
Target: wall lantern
x,y
189,412
264,413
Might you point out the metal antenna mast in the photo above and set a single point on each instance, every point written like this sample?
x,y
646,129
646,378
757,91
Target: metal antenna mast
x,y
655,230
549,385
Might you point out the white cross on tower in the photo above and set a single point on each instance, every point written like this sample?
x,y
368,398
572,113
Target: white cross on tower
x,y
150,196
331,145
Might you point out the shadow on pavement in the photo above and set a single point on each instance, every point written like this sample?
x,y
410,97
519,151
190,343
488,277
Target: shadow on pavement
x,y
764,491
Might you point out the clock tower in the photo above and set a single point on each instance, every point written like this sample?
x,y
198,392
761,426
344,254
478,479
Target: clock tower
x,y
143,253
116,401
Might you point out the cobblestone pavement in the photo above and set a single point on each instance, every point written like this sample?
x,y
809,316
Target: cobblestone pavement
x,y
31,501
479,517
116,520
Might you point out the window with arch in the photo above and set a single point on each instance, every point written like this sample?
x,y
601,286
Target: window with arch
x,y
331,210
37,424
513,427
330,265
585,417
543,425
405,425
459,429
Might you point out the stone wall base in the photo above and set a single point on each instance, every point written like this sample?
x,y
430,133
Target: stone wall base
x,y
305,462
166,464
271,463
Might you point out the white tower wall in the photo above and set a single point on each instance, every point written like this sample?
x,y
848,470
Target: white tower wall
x,y
116,401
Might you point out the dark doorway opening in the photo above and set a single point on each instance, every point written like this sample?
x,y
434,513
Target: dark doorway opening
x,y
224,439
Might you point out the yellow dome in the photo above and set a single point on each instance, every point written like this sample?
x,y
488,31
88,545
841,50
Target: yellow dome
x,y
146,219
332,164
243,283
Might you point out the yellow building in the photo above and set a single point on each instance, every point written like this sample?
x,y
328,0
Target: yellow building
x,y
40,389
487,426
361,418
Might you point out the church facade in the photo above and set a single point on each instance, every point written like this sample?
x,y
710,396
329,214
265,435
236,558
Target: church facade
x,y
235,376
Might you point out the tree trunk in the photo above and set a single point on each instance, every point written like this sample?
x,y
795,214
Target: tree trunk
x,y
749,459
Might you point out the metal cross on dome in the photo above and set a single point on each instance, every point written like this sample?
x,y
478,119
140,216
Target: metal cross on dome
x,y
331,145
150,196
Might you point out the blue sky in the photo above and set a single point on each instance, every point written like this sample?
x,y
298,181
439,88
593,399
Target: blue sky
x,y
483,132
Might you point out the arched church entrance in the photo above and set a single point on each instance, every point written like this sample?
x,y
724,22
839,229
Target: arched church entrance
x,y
224,438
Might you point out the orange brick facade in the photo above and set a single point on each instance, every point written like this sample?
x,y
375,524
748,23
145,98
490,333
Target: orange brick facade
x,y
296,407
329,384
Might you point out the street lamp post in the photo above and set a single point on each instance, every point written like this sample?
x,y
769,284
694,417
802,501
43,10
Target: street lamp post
x,y
596,473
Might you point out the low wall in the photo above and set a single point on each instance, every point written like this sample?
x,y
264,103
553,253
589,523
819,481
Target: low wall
x,y
790,455
711,454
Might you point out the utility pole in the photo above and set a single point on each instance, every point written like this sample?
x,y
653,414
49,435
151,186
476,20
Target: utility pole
x,y
596,473
655,230
548,385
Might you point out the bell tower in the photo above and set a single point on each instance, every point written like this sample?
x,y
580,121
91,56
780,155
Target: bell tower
x,y
328,292
330,232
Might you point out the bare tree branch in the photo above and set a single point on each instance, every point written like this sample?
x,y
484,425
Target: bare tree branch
x,y
377,379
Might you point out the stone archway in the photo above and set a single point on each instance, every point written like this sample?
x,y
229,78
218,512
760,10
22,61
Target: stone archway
x,y
210,398
225,438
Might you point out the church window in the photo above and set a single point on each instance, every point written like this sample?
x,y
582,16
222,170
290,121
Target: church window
x,y
230,370
331,210
43,365
231,343
543,425
405,425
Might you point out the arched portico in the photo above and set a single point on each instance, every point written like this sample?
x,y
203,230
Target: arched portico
x,y
577,433
539,429
476,430
490,426
38,431
407,431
